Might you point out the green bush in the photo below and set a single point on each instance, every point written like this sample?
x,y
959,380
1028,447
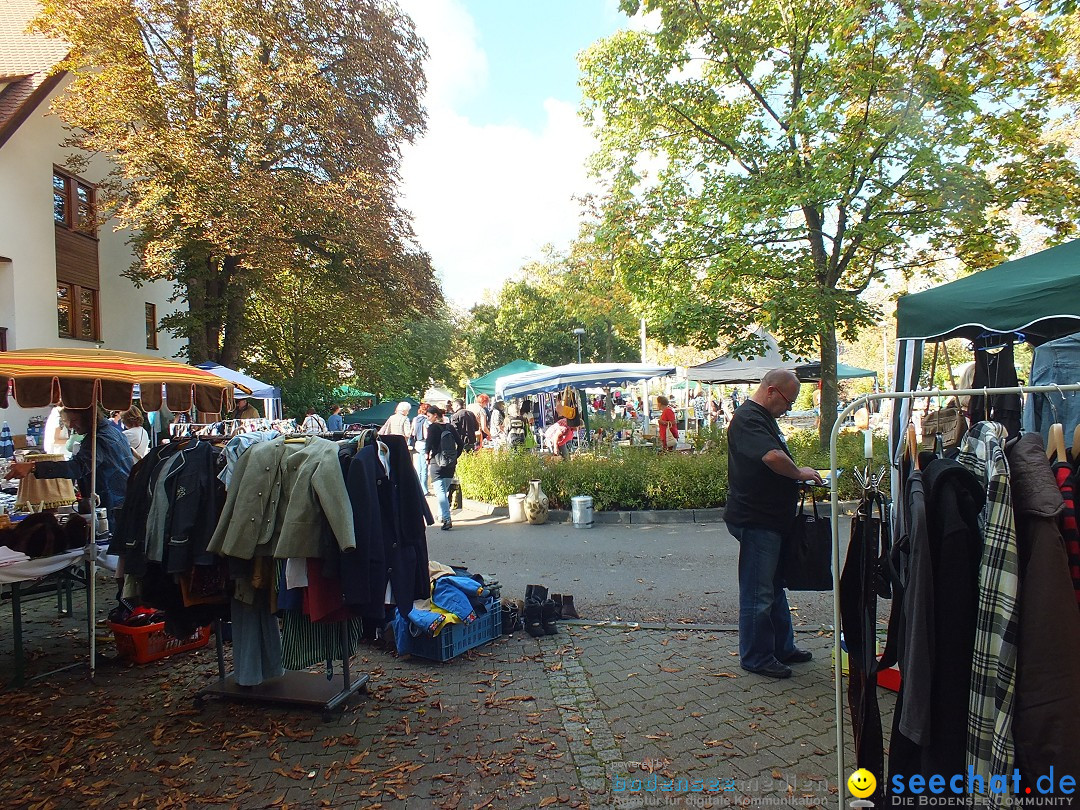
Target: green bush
x,y
806,449
636,478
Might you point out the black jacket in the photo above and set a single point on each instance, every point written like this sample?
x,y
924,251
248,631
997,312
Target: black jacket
x,y
466,425
390,515
195,500
434,446
195,497
953,500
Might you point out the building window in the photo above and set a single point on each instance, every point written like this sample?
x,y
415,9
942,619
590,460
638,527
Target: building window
x,y
151,326
77,312
73,203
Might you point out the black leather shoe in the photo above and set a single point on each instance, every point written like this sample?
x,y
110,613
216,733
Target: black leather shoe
x,y
776,670
798,657
447,525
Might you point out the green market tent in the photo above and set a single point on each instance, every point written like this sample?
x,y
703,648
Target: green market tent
x,y
349,392
380,413
486,384
1037,296
811,372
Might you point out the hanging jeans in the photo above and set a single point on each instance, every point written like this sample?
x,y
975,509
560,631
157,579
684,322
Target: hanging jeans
x,y
765,632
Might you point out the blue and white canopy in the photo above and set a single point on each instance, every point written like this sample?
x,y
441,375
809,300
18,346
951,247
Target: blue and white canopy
x,y
258,389
577,375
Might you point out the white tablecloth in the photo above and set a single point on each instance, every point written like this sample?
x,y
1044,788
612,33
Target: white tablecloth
x,y
43,566
39,567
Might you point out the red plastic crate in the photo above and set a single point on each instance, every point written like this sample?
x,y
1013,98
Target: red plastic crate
x,y
151,643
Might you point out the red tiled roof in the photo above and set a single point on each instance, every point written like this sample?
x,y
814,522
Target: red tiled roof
x,y
25,62
22,53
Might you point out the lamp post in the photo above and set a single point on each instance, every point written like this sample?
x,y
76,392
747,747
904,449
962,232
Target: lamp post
x,y
578,333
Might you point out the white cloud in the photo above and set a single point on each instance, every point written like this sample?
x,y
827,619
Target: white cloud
x,y
486,199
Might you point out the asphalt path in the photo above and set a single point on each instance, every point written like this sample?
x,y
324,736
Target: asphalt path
x,y
674,573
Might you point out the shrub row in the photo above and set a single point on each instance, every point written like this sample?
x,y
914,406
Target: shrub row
x,y
633,479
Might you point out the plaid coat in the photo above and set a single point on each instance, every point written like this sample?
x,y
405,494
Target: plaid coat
x,y
993,677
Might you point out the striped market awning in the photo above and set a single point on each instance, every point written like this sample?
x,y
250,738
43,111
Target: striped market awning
x,y
576,375
80,377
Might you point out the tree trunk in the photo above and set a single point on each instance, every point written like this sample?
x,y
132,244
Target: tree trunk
x,y
827,340
195,294
234,293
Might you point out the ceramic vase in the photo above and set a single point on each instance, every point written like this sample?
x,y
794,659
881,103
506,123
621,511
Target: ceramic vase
x,y
536,504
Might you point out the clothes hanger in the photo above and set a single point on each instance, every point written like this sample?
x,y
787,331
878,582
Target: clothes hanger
x,y
1055,442
911,446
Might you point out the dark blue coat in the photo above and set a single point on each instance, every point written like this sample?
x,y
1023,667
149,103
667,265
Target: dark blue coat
x,y
390,515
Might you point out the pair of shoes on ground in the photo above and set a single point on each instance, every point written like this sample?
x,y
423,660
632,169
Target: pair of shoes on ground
x,y
780,669
564,604
541,612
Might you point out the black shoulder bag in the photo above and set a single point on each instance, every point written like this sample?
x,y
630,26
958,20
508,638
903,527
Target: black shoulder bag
x,y
806,557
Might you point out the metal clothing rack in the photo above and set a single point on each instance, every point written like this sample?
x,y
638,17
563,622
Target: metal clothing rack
x,y
859,402
295,688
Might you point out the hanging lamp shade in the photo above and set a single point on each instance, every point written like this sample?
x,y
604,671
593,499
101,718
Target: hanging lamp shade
x,y
36,493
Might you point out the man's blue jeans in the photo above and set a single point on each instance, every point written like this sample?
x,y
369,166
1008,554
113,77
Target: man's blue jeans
x,y
442,495
765,632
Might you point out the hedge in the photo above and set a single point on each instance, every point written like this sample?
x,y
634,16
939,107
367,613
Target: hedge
x,y
634,478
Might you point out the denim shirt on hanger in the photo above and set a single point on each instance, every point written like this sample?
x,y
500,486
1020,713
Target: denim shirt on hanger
x,y
1054,363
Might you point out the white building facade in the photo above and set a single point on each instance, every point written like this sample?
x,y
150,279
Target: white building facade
x,y
61,282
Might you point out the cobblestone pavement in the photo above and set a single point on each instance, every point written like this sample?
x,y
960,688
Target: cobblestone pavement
x,y
563,721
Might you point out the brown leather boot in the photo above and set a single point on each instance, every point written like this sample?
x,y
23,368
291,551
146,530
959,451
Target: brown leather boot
x,y
568,610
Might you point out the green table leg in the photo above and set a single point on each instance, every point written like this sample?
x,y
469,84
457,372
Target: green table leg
x,y
16,626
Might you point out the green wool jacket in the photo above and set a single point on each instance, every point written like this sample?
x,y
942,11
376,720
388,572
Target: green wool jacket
x,y
278,498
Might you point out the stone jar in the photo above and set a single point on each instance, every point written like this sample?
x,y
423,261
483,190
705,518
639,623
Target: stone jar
x,y
536,504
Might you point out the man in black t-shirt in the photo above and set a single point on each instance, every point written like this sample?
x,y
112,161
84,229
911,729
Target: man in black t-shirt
x,y
466,424
763,490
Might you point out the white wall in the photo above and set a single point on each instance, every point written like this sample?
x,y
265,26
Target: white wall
x,y
27,237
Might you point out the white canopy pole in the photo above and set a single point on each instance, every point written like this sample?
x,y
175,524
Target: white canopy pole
x,y
91,550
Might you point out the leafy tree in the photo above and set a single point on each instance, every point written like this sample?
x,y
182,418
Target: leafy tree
x,y
408,356
251,138
533,316
768,160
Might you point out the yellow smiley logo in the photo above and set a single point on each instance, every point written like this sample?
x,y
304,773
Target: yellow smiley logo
x,y
861,783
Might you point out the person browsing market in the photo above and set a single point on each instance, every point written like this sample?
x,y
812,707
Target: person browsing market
x,y
763,492
113,457
244,410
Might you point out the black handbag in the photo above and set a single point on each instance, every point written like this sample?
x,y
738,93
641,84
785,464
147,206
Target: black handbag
x,y
806,556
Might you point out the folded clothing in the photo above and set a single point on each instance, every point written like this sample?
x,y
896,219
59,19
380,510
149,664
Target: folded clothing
x,y
450,597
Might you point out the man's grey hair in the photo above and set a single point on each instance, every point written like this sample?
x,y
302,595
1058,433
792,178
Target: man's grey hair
x,y
403,408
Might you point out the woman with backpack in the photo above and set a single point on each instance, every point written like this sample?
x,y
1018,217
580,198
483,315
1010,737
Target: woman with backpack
x,y
418,441
443,447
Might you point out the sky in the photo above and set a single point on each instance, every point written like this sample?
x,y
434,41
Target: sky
x,y
493,179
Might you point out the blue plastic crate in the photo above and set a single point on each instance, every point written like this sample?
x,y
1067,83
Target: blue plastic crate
x,y
457,638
